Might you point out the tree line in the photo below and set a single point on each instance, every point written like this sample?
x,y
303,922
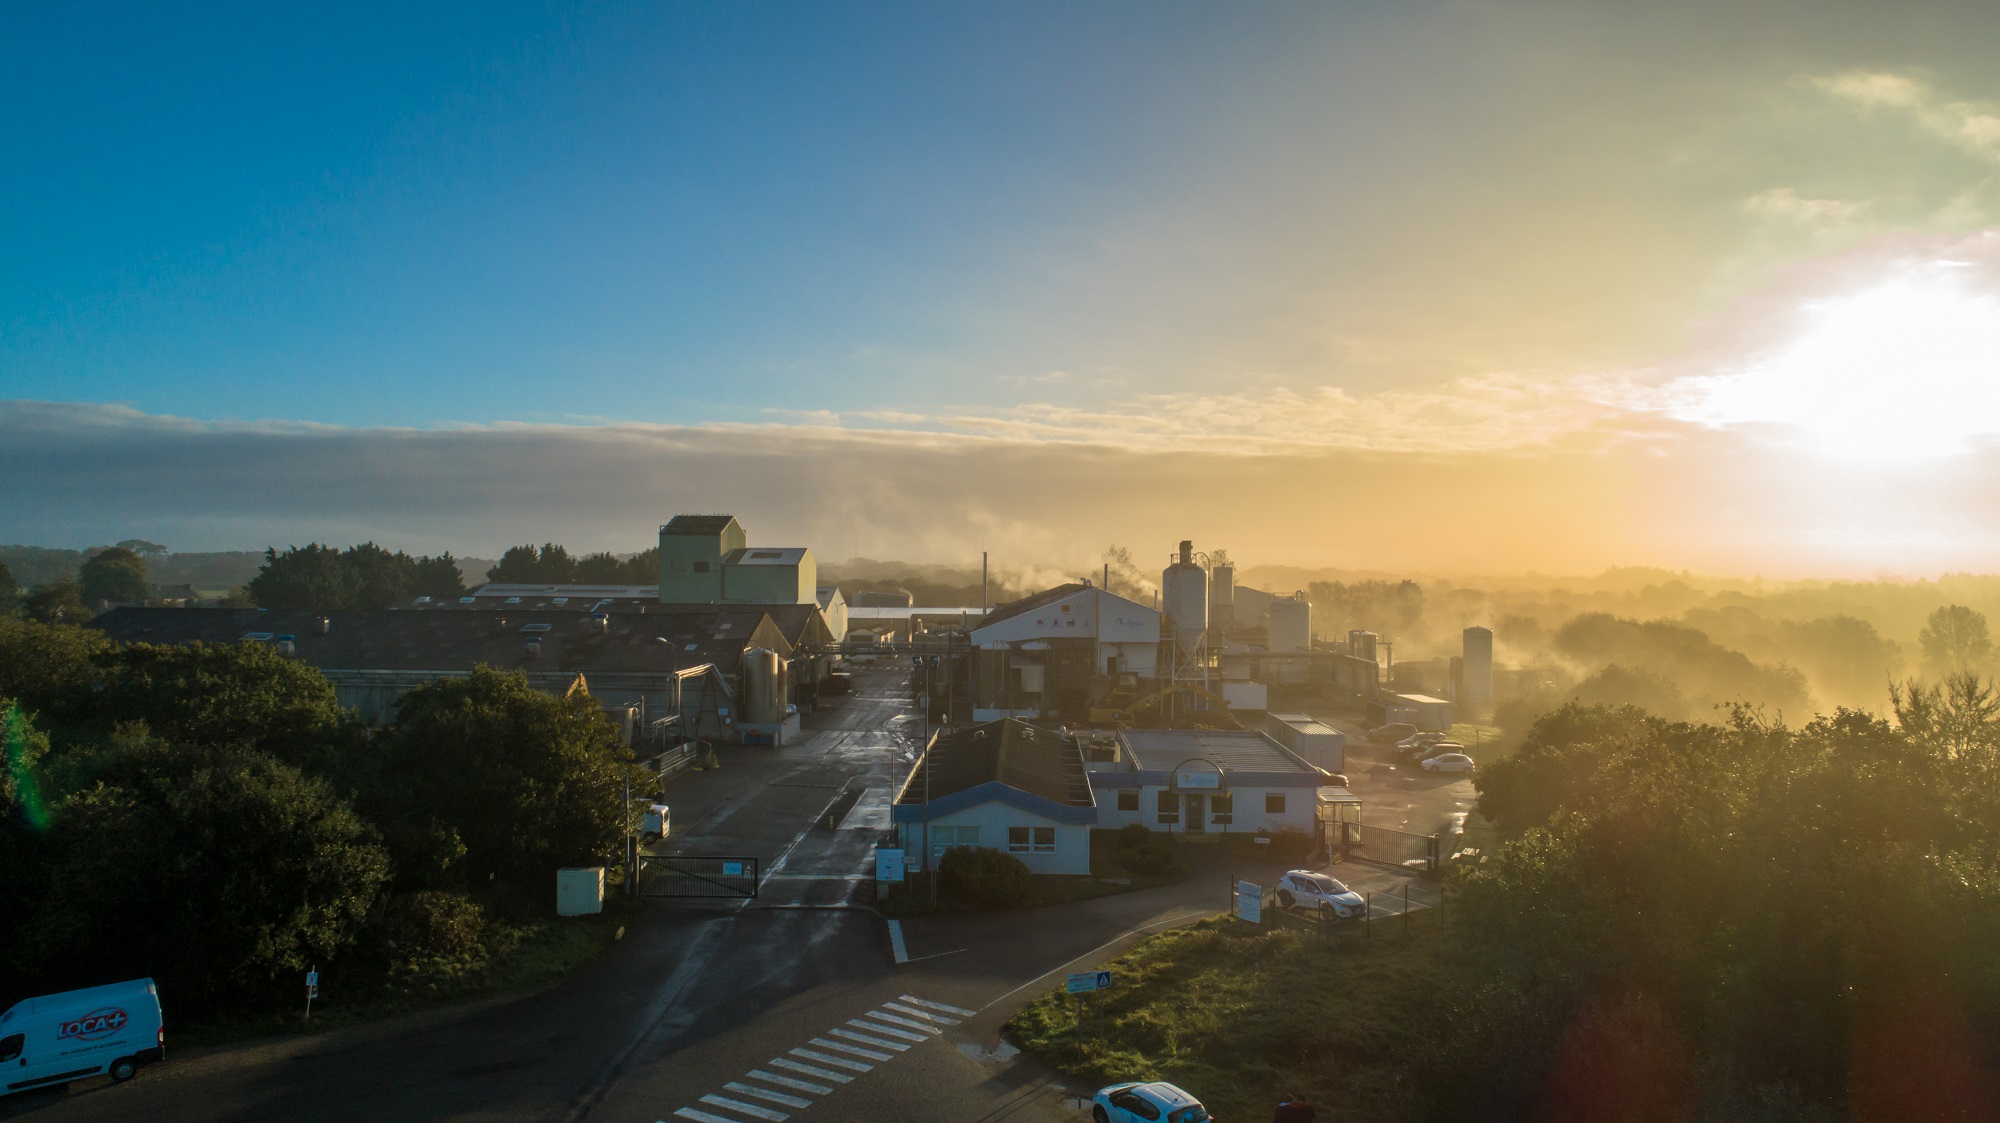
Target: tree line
x,y
212,817
1739,921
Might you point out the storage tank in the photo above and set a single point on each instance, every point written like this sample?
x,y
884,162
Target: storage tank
x,y
1291,624
1477,677
1184,596
1361,644
1222,594
763,687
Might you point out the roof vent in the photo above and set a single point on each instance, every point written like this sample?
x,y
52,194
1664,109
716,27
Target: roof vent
x,y
325,625
533,647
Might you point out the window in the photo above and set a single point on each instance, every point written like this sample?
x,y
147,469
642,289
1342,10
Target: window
x,y
1223,806
954,836
1274,803
1135,1104
1170,807
701,567
1045,840
1017,840
1128,799
11,1046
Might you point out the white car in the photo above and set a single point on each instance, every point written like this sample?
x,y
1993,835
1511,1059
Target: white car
x,y
1449,762
1146,1103
1303,889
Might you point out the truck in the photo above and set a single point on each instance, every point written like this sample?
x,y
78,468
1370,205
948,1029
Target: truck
x,y
111,1030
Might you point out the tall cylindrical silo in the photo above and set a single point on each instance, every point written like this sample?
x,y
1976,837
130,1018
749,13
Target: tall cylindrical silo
x,y
1361,644
1184,594
1222,594
763,687
1290,624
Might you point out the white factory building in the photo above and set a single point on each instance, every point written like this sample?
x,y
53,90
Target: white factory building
x,y
1053,654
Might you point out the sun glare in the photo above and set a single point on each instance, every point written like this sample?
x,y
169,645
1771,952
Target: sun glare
x,y
1908,370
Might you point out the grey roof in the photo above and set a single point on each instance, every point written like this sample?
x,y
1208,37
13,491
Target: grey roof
x,y
1306,723
1040,762
1030,603
391,640
1235,750
766,555
698,524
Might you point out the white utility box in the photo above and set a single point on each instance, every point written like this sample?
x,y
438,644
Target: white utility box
x,y
580,892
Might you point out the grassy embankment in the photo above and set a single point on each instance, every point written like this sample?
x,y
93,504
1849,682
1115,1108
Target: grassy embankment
x,y
519,956
1240,1015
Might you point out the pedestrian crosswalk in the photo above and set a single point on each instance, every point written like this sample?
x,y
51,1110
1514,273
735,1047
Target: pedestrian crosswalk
x,y
809,1072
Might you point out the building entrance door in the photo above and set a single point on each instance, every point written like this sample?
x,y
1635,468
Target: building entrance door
x,y
1197,814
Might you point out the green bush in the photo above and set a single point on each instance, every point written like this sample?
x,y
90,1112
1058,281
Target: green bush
x,y
1147,853
985,878
432,925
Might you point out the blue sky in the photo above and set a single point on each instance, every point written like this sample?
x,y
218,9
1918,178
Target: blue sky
x,y
1318,283
418,215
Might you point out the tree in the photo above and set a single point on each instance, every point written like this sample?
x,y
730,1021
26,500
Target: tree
x,y
440,578
211,870
243,694
151,551
1955,639
58,602
310,579
116,575
517,781
48,668
10,593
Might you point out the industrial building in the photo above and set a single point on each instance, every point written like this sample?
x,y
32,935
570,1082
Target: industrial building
x,y
707,559
1200,781
1003,785
1054,654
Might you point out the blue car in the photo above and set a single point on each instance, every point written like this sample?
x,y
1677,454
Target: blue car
x,y
1156,1102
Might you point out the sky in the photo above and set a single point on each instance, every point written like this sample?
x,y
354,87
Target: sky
x,y
1460,287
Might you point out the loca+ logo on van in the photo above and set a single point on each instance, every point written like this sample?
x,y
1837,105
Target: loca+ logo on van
x,y
96,1024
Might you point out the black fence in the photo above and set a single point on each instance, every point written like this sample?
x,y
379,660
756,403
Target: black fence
x,y
1405,849
728,878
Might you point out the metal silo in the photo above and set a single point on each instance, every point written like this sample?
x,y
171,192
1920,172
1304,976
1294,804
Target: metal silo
x,y
1222,594
1184,595
1291,624
763,687
1361,644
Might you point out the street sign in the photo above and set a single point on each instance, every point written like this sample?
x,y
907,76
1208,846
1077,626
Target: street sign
x,y
888,864
1250,902
732,869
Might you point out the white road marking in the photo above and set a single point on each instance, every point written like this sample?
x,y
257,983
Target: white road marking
x,y
787,1062
916,1013
743,1089
894,1020
906,1035
867,1040
702,1116
788,1082
751,1110
896,941
830,1059
823,1043
960,1011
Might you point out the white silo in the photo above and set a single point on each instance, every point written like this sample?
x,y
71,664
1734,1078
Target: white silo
x,y
1361,644
1290,624
1478,673
1222,594
1184,594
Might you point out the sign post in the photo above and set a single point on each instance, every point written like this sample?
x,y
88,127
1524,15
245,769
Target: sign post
x,y
1250,902
312,989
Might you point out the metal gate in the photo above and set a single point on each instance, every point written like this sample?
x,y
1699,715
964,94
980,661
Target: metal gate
x,y
680,875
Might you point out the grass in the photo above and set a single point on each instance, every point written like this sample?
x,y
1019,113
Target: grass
x,y
1239,1015
1108,876
516,957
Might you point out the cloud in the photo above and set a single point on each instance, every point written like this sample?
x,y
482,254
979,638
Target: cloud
x,y
1970,126
1785,204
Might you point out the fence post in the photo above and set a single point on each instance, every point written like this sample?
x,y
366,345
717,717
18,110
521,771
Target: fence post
x,y
1368,915
1406,910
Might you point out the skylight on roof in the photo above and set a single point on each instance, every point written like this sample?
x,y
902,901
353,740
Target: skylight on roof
x,y
468,600
513,600
766,554
535,627
260,637
560,600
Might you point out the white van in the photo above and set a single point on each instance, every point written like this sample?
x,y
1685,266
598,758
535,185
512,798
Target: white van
x,y
61,1037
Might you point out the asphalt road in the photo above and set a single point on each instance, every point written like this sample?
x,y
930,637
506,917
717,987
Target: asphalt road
x,y
791,1006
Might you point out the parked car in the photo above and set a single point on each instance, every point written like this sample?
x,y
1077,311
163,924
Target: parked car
x,y
1391,733
56,1038
1416,740
1449,762
1304,889
1425,752
838,682
655,824
1157,1102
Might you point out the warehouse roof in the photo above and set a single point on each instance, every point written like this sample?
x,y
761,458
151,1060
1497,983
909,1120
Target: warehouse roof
x,y
974,765
766,555
389,640
698,524
1233,750
1030,603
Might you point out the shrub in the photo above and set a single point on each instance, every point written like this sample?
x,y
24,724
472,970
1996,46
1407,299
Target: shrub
x,y
985,878
432,925
1148,853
